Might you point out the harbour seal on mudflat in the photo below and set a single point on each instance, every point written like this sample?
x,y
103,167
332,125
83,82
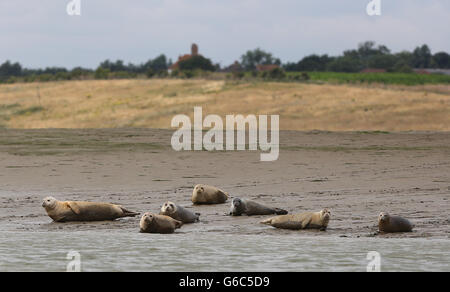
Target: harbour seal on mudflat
x,y
390,224
308,220
250,208
204,194
83,211
152,223
179,213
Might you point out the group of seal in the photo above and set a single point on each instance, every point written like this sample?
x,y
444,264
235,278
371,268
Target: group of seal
x,y
173,216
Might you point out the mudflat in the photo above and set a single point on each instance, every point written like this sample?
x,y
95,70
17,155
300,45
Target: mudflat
x,y
355,174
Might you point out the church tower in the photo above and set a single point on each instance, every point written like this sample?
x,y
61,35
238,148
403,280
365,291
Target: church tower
x,y
194,50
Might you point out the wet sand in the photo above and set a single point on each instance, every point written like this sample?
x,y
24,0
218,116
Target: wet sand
x,y
356,175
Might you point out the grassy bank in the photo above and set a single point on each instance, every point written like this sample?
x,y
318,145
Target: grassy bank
x,y
152,103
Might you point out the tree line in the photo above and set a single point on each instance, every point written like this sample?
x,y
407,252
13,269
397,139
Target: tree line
x,y
366,55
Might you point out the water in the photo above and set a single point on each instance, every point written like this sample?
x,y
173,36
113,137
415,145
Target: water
x,y
126,250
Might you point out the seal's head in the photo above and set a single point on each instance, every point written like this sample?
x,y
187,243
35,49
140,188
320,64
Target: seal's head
x,y
146,221
168,208
49,203
237,207
148,217
383,217
325,214
199,189
236,202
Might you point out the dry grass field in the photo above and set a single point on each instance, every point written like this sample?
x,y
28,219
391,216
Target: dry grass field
x,y
152,104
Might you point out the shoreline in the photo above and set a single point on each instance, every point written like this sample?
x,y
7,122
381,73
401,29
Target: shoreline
x,y
356,175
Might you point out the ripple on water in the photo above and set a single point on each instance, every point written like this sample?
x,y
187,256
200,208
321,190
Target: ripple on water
x,y
119,250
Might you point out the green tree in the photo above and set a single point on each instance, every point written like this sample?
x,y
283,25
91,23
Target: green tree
x,y
386,62
113,66
442,60
345,64
101,73
310,63
421,57
251,59
54,70
9,69
402,67
197,62
159,63
150,73
366,51
277,74
404,57
78,72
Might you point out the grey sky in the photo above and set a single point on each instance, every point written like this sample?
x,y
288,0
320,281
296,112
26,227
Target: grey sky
x,y
40,33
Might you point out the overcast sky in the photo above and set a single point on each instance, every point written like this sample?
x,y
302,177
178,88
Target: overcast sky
x,y
40,33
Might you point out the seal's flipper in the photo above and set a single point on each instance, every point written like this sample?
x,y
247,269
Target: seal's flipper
x,y
281,211
127,213
224,193
60,220
74,207
306,221
267,221
178,224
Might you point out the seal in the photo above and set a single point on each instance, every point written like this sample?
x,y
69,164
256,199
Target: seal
x,y
250,208
390,224
83,211
204,194
179,213
308,220
152,223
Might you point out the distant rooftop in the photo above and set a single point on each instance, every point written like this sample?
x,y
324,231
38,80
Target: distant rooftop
x,y
194,52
